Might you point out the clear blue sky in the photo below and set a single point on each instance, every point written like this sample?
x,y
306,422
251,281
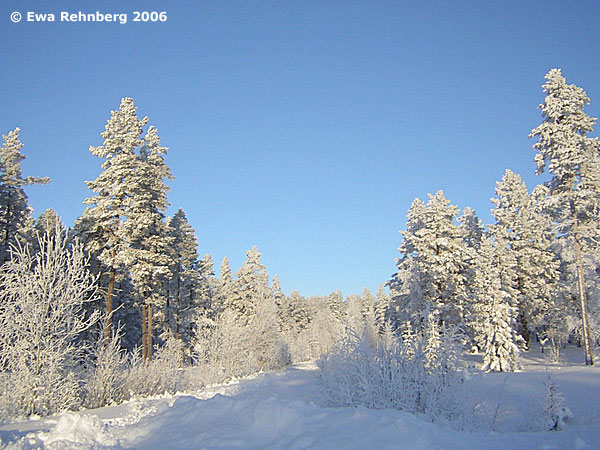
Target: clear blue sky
x,y
306,127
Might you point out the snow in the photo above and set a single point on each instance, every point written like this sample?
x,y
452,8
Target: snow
x,y
283,410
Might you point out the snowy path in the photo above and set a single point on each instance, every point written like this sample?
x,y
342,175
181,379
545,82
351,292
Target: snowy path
x,y
281,411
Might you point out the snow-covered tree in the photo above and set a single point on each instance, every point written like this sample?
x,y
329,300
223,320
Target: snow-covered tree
x,y
41,322
15,213
124,226
573,158
433,271
148,250
47,223
100,226
495,312
252,284
227,290
382,307
525,232
554,411
185,279
471,228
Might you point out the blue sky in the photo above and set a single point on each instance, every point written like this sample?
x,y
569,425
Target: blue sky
x,y
306,128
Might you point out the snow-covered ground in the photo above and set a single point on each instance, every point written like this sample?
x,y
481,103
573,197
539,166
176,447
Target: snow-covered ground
x,y
284,410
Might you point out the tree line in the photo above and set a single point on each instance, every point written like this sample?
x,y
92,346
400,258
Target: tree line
x,y
140,286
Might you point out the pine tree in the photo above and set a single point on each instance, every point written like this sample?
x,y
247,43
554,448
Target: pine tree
x,y
148,251
336,304
573,159
100,226
280,302
15,213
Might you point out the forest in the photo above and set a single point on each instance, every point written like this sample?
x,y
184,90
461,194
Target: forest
x,y
121,304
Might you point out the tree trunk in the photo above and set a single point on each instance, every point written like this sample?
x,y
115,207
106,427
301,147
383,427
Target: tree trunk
x,y
144,338
149,345
589,358
178,308
109,304
5,245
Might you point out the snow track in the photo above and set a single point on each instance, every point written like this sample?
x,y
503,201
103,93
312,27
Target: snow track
x,y
283,411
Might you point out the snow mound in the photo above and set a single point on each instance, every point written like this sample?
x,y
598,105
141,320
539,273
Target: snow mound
x,y
74,431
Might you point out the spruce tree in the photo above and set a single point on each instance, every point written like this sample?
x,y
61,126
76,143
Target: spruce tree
x,y
227,291
495,311
433,271
526,232
185,280
573,159
252,284
15,213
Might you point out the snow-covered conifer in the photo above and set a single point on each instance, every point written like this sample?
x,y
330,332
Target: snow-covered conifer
x,y
148,252
100,226
573,159
47,223
15,213
495,312
526,234
433,271
252,284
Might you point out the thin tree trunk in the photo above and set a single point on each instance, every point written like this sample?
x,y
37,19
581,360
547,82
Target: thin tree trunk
x,y
589,359
109,304
6,231
178,308
144,338
149,345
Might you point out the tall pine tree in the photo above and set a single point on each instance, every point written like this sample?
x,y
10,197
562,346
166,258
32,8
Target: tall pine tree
x,y
573,158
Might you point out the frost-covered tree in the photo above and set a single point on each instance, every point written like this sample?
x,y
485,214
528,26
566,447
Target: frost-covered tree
x,y
252,284
47,223
148,251
495,312
526,233
15,213
573,159
124,225
471,228
336,304
382,307
434,268
100,226
227,290
554,411
185,280
41,322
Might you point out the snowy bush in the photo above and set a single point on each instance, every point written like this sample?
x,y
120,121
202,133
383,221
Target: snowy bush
x,y
420,375
230,346
163,374
41,322
222,348
106,378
